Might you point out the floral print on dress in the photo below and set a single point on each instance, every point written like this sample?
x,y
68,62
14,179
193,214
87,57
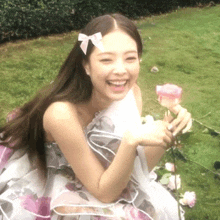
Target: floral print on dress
x,y
133,213
106,218
19,192
39,206
5,154
147,207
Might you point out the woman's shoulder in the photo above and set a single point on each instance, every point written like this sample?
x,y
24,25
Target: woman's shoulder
x,y
60,110
58,113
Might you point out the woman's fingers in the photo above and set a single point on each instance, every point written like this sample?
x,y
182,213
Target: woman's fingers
x,y
169,133
168,117
188,126
183,121
176,109
168,136
167,140
179,117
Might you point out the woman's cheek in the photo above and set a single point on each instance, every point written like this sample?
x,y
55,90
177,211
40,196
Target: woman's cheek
x,y
136,70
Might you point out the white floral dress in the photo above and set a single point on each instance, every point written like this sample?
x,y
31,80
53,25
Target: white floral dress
x,y
24,196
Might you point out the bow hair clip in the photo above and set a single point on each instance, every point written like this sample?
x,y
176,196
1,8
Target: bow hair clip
x,y
95,38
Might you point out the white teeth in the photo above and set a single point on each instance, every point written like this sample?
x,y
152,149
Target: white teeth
x,y
118,83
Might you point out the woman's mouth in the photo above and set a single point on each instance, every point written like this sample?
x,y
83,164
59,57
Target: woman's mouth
x,y
117,85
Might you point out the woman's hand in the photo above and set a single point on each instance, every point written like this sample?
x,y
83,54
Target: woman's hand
x,y
183,121
156,133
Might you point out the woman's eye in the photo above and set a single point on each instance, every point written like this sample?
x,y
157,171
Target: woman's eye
x,y
131,58
106,60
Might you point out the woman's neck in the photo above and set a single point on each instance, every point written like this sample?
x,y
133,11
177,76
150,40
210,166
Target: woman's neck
x,y
98,103
92,107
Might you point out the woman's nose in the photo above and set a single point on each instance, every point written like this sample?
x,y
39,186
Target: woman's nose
x,y
119,67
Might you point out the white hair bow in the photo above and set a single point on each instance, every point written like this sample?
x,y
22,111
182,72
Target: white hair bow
x,y
95,38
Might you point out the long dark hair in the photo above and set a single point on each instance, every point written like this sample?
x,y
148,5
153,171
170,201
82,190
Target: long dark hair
x,y
71,84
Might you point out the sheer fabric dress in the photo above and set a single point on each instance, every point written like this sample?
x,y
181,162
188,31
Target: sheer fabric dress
x,y
23,194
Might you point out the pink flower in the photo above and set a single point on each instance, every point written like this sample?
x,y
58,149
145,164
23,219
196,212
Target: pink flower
x,y
40,206
189,198
169,95
5,153
171,183
170,167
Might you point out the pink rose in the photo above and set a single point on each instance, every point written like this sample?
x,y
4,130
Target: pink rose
x,y
171,183
169,95
170,167
189,198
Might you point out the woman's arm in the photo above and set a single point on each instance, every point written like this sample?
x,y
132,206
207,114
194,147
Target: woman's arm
x,y
61,121
153,153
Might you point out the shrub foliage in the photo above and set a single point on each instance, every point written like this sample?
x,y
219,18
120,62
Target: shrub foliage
x,y
32,18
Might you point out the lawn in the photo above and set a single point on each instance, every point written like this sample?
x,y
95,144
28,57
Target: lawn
x,y
185,46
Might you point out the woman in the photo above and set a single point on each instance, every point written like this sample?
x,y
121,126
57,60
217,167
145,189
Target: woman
x,y
81,152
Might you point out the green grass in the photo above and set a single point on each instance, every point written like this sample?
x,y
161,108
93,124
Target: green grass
x,y
185,46
28,65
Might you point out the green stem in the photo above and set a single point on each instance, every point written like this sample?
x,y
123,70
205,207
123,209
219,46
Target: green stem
x,y
175,173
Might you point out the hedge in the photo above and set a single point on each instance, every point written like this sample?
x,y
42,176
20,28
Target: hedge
x,y
33,18
23,18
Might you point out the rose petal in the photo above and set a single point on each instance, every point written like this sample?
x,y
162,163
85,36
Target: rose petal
x,y
169,90
189,198
169,95
170,167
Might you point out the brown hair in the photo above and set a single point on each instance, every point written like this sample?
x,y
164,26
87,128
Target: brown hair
x,y
72,84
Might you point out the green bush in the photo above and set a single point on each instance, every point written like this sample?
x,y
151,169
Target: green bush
x,y
32,18
23,18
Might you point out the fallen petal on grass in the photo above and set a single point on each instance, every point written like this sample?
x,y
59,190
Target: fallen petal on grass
x,y
170,167
189,198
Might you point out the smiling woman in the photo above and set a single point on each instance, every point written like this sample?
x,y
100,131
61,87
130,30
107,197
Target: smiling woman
x,y
78,149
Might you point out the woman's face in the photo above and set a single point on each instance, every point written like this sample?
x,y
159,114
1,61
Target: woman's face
x,y
114,71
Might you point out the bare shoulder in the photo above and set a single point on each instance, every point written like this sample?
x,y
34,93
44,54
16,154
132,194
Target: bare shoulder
x,y
138,97
62,124
57,113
